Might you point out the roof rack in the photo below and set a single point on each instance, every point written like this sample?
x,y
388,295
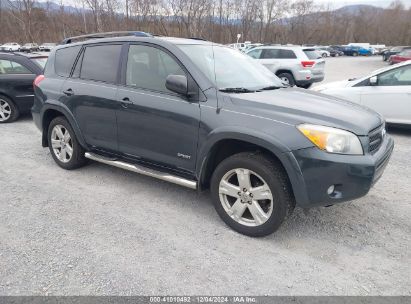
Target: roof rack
x,y
197,38
105,35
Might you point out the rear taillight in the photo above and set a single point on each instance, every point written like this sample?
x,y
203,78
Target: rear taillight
x,y
308,64
37,80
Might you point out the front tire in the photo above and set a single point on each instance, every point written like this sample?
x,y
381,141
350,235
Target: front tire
x,y
8,110
64,146
251,193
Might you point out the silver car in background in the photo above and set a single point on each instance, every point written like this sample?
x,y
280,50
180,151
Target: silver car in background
x,y
386,91
295,65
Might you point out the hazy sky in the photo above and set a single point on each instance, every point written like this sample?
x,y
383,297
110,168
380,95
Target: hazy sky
x,y
339,3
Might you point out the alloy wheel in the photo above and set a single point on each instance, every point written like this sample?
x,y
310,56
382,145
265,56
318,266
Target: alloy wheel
x,y
246,197
5,110
285,80
62,143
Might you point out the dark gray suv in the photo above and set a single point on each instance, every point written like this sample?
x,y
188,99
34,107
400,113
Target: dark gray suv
x,y
205,116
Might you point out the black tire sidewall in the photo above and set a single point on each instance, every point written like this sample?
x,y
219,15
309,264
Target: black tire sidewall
x,y
77,159
15,113
279,212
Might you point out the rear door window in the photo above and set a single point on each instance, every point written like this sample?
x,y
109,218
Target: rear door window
x,y
312,54
65,59
270,54
12,67
101,63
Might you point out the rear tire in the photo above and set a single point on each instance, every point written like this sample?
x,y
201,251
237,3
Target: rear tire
x,y
264,205
64,146
8,110
287,78
355,54
306,86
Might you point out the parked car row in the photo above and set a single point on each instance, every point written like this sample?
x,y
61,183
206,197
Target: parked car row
x,y
28,47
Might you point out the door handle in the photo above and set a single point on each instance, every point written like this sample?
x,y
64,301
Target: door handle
x,y
125,102
68,92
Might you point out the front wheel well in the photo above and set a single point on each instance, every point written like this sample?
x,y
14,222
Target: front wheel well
x,y
284,71
224,149
48,116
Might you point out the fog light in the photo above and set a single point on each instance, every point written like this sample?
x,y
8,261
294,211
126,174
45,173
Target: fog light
x,y
330,190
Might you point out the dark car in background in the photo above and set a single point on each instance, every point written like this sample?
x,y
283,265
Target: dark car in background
x,y
334,52
17,73
394,51
357,51
205,116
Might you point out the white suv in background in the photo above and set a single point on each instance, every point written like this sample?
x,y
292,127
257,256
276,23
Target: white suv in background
x,y
10,47
295,65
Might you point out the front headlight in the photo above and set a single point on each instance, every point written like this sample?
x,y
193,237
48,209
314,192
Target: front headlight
x,y
332,140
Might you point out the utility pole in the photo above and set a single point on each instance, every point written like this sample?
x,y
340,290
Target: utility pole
x,y
84,18
127,15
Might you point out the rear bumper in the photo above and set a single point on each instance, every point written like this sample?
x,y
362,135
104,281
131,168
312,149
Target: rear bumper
x,y
313,79
352,176
304,77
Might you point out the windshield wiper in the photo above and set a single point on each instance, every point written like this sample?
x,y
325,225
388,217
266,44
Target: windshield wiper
x,y
272,88
236,90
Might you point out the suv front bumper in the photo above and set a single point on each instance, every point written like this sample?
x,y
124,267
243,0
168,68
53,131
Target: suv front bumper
x,y
352,176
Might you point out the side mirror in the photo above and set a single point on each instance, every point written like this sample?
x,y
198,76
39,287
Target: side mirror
x,y
374,80
177,84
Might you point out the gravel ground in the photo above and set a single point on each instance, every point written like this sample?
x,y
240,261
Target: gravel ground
x,y
103,231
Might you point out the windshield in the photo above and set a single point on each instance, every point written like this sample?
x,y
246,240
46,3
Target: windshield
x,y
228,68
41,61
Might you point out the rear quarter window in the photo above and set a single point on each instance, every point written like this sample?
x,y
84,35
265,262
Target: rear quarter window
x,y
312,54
287,54
65,59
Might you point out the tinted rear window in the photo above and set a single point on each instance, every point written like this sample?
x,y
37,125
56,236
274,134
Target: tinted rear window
x,y
41,61
270,54
287,54
100,63
65,59
312,54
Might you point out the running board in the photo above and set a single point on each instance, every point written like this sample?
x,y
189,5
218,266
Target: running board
x,y
143,170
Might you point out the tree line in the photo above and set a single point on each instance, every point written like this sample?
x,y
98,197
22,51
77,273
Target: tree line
x,y
265,21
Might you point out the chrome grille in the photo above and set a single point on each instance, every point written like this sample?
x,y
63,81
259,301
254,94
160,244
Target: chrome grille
x,y
376,136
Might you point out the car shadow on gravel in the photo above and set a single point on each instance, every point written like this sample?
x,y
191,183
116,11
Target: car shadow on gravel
x,y
399,130
352,221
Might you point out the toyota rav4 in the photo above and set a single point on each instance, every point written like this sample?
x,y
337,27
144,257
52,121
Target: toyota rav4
x,y
205,116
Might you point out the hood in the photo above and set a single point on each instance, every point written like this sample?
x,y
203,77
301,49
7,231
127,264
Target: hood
x,y
296,106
